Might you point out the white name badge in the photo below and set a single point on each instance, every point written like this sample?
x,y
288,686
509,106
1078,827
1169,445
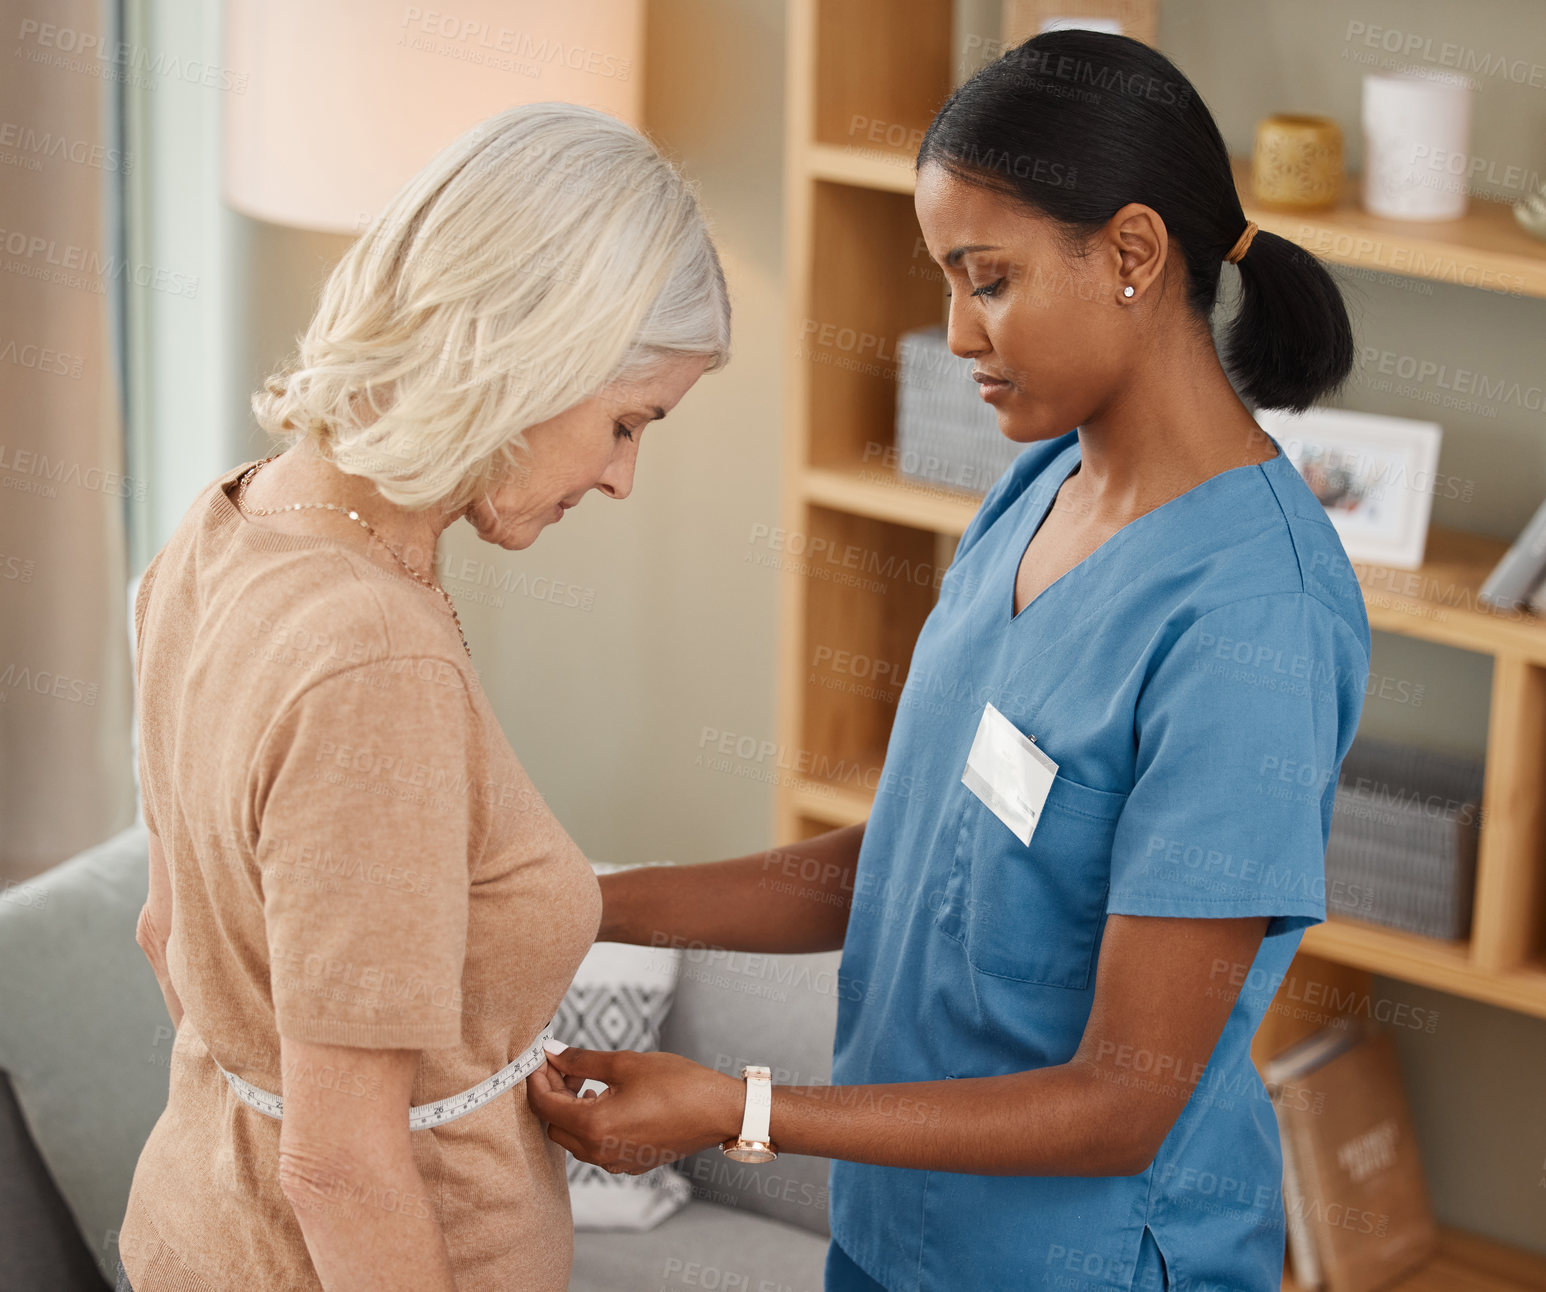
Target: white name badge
x,y
1009,773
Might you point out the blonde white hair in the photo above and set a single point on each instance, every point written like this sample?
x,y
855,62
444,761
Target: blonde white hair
x,y
547,253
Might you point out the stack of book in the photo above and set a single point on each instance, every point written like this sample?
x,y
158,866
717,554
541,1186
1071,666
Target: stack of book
x,y
1353,1193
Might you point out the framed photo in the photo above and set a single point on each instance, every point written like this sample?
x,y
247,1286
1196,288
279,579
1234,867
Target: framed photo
x,y
1374,476
1026,18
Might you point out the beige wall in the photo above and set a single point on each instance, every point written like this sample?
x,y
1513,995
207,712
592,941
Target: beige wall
x,y
606,706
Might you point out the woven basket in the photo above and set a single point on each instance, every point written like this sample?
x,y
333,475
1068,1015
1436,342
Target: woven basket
x,y
945,434
1403,840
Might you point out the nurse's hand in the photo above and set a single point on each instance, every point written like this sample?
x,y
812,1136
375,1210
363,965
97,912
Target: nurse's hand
x,y
657,1107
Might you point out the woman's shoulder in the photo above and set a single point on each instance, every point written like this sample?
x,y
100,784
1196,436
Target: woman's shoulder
x,y
316,603
343,610
291,624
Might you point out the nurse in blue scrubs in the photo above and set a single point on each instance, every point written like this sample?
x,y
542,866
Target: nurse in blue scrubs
x,y
1101,822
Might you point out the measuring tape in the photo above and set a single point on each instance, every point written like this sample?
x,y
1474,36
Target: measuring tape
x,y
424,1116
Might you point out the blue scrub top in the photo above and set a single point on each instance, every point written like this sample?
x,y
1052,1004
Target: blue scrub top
x,y
1197,680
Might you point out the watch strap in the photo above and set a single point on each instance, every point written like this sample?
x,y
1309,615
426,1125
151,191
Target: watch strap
x,y
759,1103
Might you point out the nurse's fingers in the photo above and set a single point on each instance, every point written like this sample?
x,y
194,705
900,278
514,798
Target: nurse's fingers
x,y
546,1079
564,1139
598,1064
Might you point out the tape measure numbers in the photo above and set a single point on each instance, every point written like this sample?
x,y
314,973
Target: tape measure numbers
x,y
424,1116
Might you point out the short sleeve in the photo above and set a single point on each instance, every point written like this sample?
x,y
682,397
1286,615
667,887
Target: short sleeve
x,y
1241,728
364,828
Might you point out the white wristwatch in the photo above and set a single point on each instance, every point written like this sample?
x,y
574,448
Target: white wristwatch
x,y
753,1144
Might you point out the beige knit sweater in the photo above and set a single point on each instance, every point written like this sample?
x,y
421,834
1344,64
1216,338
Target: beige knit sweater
x,y
356,858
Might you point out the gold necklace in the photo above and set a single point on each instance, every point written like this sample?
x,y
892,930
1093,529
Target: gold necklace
x,y
241,505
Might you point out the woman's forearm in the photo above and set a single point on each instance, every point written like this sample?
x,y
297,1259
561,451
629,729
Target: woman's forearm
x,y
369,1230
155,926
786,900
153,943
347,1166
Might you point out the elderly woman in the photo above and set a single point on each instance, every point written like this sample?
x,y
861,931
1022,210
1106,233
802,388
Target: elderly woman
x,y
362,914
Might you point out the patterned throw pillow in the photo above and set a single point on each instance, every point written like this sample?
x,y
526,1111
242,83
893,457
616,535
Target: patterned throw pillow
x,y
618,1001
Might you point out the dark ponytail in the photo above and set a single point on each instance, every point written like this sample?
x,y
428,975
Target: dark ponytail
x,y
1076,124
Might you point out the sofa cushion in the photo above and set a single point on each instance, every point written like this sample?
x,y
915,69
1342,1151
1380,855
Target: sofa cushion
x,y
731,1009
618,1000
40,1246
84,1034
702,1246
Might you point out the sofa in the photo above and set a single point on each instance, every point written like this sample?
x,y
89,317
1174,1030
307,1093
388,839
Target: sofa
x,y
84,1045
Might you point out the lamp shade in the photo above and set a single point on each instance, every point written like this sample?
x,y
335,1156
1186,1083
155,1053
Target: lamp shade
x,y
336,103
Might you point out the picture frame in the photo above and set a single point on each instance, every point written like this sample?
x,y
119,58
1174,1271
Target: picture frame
x,y
1136,18
1373,474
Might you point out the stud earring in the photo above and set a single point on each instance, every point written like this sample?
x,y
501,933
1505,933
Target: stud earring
x,y
1128,290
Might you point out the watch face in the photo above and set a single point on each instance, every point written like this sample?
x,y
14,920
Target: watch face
x,y
751,1153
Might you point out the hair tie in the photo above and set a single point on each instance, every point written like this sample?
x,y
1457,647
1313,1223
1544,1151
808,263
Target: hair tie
x,y
1242,244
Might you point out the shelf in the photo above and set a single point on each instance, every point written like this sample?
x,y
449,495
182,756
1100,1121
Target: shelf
x,y
1438,602
1428,962
860,167
882,494
1485,248
1465,1263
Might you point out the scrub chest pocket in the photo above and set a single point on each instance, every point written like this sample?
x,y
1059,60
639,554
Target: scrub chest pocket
x,y
1032,913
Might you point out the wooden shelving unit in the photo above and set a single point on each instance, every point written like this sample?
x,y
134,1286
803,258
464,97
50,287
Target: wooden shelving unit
x,y
1485,249
860,279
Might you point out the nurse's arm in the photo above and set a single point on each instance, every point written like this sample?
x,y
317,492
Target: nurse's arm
x,y
784,901
1161,1002
1160,1006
